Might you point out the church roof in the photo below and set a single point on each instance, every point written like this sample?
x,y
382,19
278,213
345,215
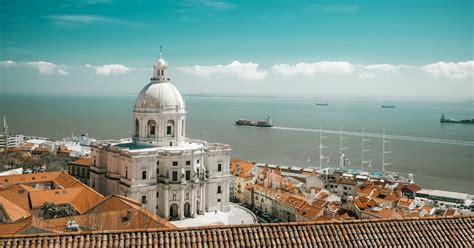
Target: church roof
x,y
412,232
156,97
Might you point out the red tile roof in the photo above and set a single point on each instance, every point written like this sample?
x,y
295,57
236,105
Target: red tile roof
x,y
86,161
412,232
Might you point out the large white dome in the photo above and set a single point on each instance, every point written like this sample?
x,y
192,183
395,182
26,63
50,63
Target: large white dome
x,y
159,97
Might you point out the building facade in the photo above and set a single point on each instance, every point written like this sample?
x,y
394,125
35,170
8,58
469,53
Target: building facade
x,y
170,174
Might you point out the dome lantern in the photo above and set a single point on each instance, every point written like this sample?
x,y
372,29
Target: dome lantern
x,y
160,70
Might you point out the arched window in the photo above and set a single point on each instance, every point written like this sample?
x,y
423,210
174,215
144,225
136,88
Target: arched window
x,y
151,126
170,128
137,128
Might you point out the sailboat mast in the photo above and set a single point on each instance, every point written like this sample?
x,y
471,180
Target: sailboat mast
x,y
383,151
363,137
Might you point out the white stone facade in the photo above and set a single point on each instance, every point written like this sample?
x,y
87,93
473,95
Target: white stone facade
x,y
169,174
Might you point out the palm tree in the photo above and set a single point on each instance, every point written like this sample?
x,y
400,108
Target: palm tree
x,y
48,209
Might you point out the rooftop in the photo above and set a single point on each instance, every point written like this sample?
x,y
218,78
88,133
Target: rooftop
x,y
427,232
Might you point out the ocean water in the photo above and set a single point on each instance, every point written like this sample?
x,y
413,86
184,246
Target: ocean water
x,y
439,155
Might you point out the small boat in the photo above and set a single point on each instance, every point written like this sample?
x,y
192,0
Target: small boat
x,y
245,122
388,106
322,104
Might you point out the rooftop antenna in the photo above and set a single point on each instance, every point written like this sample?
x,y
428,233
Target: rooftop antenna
x,y
364,150
321,147
384,152
342,155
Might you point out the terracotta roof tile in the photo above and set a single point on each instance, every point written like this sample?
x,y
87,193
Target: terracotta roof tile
x,y
427,232
12,211
85,161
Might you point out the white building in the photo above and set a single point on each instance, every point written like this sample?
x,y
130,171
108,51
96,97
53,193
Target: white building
x,y
169,174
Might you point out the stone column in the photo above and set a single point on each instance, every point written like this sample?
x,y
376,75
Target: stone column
x,y
206,198
166,203
193,201
181,203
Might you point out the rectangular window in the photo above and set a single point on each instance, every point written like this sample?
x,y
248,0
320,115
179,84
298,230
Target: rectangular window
x,y
158,162
197,172
219,189
175,176
143,174
168,130
175,163
188,175
157,172
188,162
219,167
197,161
143,199
218,200
152,130
157,194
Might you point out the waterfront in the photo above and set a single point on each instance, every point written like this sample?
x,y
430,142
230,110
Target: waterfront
x,y
435,165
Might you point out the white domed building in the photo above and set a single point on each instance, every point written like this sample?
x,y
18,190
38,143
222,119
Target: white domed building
x,y
170,174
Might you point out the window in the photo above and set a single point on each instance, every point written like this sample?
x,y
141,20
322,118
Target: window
x,y
188,162
197,161
157,194
151,128
219,167
218,200
197,172
174,176
188,175
143,174
158,162
219,189
143,199
174,197
187,196
94,162
170,128
157,171
175,163
126,174
136,128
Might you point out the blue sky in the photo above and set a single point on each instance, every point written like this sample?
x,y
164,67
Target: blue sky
x,y
310,48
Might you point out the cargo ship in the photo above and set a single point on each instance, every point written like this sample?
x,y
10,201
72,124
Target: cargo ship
x,y
388,106
244,122
322,104
450,120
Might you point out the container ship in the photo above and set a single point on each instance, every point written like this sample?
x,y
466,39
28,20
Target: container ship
x,y
322,104
244,122
388,106
449,120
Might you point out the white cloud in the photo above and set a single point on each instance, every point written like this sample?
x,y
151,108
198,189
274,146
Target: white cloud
x,y
457,70
47,68
83,19
242,70
8,63
323,67
110,69
378,70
